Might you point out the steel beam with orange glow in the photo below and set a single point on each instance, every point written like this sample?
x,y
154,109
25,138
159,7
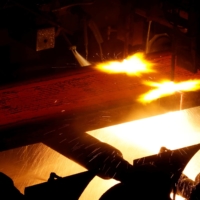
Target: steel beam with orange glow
x,y
132,65
167,88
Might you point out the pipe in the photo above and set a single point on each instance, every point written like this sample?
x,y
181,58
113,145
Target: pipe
x,y
85,37
97,36
82,61
90,153
71,5
148,36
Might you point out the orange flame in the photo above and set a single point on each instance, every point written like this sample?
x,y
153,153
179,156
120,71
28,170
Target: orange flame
x,y
132,65
167,88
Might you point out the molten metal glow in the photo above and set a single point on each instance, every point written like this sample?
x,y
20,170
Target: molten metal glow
x,y
167,88
132,65
144,137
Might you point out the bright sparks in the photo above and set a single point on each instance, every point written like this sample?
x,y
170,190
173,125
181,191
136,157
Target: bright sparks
x,y
144,137
167,88
133,65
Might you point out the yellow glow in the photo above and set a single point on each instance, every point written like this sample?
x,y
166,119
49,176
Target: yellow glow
x,y
144,137
32,164
166,88
177,197
132,65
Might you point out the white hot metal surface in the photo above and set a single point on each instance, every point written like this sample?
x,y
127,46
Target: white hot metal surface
x,y
32,164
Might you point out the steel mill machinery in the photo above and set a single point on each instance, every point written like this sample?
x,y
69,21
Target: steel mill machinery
x,y
51,92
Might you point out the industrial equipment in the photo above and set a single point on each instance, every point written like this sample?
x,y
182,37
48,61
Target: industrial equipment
x,y
51,92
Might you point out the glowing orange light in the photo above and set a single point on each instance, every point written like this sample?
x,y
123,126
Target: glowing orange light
x,y
144,137
167,88
132,65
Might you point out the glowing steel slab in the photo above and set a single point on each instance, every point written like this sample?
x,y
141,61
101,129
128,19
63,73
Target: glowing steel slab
x,y
84,99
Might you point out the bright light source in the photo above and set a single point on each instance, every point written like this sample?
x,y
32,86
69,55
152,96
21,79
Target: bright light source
x,y
166,88
145,137
132,65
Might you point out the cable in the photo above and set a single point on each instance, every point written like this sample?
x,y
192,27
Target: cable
x,y
71,5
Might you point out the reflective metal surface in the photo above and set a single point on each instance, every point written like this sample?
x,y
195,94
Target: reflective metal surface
x,y
32,164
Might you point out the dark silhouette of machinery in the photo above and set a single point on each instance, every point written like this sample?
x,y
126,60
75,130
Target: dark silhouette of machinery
x,y
8,189
151,177
70,187
155,177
